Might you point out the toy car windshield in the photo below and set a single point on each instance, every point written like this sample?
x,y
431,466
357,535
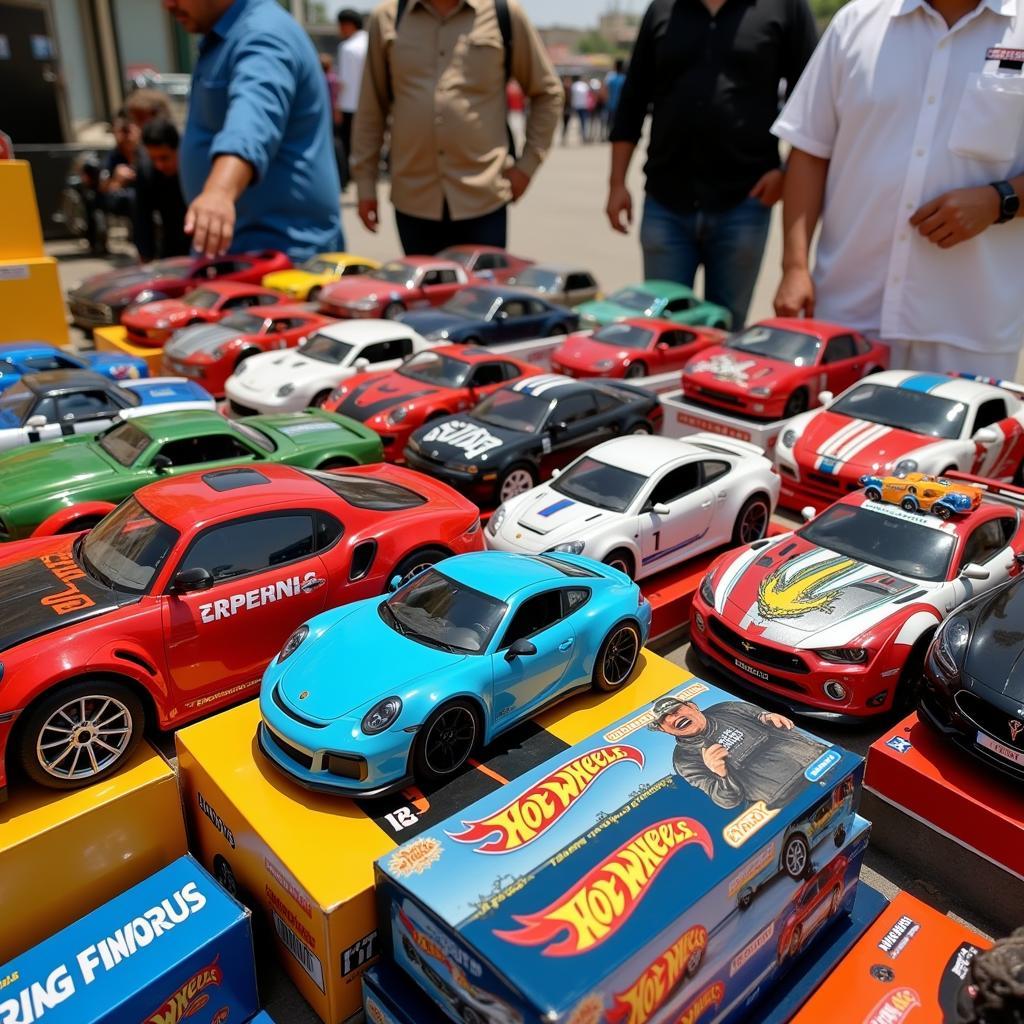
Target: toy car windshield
x,y
598,484
902,409
623,336
513,410
432,368
771,343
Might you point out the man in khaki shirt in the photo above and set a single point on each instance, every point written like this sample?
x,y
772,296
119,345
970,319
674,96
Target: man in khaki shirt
x,y
440,74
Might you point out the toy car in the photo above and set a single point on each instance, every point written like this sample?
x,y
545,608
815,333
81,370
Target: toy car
x,y
283,381
100,300
638,347
306,282
778,368
834,619
492,316
666,300
816,901
439,382
60,403
213,352
21,357
71,483
473,646
564,284
152,324
485,260
919,492
516,436
901,422
642,504
408,283
171,607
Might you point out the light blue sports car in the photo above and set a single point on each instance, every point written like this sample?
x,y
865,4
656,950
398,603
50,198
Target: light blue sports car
x,y
374,695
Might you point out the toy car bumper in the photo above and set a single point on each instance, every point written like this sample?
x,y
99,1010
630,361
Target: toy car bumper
x,y
813,488
734,400
474,484
88,314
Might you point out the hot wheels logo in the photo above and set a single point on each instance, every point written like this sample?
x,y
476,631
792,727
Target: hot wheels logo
x,y
190,998
602,901
711,996
422,942
532,813
894,1007
638,1003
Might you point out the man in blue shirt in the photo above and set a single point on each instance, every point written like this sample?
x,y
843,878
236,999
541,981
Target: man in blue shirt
x,y
257,158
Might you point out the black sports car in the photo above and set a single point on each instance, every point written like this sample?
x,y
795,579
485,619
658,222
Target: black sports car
x,y
974,678
517,435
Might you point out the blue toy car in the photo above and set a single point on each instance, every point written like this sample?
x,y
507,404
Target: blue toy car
x,y
377,694
487,315
21,357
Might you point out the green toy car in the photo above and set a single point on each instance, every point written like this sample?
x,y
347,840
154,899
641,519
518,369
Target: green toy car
x,y
665,300
76,479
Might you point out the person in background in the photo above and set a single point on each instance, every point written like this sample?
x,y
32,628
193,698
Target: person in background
x,y
439,72
145,105
257,157
351,61
566,107
598,107
907,143
613,90
117,176
710,74
327,65
158,196
580,98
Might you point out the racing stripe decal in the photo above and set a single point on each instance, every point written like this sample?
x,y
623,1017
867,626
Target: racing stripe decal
x,y
924,382
557,507
675,547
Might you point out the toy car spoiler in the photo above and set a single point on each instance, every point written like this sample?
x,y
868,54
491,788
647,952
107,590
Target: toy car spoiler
x,y
994,490
722,443
1007,385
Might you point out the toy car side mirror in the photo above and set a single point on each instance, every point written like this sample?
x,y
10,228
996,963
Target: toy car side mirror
x,y
662,346
808,512
520,649
557,472
659,508
559,428
986,435
190,580
361,364
162,464
974,571
826,398
394,583
35,422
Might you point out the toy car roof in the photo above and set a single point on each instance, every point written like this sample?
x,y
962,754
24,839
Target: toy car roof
x,y
504,291
957,389
51,382
360,332
433,262
660,289
13,349
232,288
184,423
501,574
474,354
816,328
644,454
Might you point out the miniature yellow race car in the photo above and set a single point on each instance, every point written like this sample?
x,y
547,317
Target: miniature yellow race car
x,y
919,492
304,282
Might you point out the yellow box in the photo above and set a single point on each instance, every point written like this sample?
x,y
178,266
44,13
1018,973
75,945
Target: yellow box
x,y
31,304
303,861
22,235
62,854
115,339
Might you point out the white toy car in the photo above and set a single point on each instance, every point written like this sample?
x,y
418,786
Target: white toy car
x,y
643,503
293,380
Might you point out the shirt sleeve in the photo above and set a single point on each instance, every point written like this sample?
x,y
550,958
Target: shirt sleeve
x,y
372,113
800,40
638,89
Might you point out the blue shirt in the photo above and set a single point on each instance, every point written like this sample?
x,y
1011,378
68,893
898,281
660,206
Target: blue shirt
x,y
259,93
614,83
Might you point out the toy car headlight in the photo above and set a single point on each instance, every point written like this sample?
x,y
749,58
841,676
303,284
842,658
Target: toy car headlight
x,y
494,523
905,466
397,415
788,438
437,335
293,643
381,715
951,644
760,392
285,390
843,655
362,304
570,547
707,591
604,364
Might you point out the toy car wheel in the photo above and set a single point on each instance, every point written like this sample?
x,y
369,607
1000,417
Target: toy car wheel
x,y
622,560
796,403
752,522
745,898
225,876
942,511
314,294
515,480
641,427
873,494
393,310
909,504
81,733
319,398
636,370
77,525
247,354
617,657
796,856
911,678
446,742
416,562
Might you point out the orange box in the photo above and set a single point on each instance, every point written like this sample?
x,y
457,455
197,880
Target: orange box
x,y
115,339
31,303
22,236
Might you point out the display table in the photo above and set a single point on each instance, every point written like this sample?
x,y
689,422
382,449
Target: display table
x,y
115,339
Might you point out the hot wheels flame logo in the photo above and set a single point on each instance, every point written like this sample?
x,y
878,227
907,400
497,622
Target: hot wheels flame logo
x,y
532,813
190,998
424,943
894,1007
638,1003
602,901
711,996
66,569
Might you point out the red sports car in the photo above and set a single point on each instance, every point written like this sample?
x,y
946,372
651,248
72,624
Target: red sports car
x,y
817,900
777,368
413,282
632,348
443,381
153,323
486,260
211,352
174,604
100,300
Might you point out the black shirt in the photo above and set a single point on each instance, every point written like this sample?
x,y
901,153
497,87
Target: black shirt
x,y
157,193
712,86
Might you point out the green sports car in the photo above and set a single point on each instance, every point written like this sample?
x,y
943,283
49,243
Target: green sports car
x,y
665,300
46,478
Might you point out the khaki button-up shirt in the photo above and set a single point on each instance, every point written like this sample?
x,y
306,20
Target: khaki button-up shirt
x,y
442,80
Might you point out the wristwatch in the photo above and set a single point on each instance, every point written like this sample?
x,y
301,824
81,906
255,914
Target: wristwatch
x,y
1009,201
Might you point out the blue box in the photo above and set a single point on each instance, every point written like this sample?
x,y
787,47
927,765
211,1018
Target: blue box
x,y
669,868
390,996
173,947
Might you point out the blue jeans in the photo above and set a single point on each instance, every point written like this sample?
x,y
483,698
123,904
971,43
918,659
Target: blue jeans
x,y
729,244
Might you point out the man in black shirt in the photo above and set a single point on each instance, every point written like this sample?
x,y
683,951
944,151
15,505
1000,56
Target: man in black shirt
x,y
709,72
158,194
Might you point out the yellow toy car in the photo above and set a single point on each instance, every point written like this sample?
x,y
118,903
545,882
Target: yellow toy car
x,y
304,283
919,492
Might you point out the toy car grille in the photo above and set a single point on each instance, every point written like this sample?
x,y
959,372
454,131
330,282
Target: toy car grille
x,y
298,756
989,719
760,653
718,396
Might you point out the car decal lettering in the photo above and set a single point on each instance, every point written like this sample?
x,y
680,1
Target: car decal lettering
x,y
66,569
469,438
725,368
226,607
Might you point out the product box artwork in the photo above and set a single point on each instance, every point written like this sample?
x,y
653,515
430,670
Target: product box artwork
x,y
666,869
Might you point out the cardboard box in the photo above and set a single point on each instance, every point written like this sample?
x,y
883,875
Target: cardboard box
x,y
911,965
390,997
63,853
643,874
31,300
175,946
683,418
22,236
115,339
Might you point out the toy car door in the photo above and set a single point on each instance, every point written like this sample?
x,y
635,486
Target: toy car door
x,y
438,286
573,426
665,538
842,363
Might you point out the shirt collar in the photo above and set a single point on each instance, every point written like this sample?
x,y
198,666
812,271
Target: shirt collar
x,y
226,21
466,3
1006,8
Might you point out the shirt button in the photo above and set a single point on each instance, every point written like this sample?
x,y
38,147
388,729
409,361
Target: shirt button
x,y
910,206
931,99
919,152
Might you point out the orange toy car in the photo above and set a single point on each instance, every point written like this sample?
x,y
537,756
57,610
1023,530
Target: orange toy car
x,y
919,492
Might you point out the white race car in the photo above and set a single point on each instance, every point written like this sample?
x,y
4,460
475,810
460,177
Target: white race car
x,y
293,380
643,503
900,422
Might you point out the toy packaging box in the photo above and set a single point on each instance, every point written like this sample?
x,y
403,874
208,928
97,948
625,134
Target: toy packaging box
x,y
391,997
171,948
666,869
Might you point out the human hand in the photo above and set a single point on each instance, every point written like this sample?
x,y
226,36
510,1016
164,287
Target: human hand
x,y
369,214
768,187
714,759
123,175
795,294
519,180
779,721
210,221
956,216
619,209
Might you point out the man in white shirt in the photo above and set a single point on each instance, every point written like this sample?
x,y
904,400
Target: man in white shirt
x,y
907,128
579,98
351,58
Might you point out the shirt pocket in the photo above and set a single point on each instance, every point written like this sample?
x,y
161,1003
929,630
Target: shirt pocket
x,y
211,100
481,60
989,120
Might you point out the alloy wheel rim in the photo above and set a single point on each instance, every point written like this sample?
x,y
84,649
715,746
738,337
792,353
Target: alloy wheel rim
x,y
450,741
84,737
755,521
415,571
796,859
517,482
620,656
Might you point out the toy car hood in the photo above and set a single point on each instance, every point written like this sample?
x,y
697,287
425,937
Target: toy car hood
x,y
720,367
582,350
361,286
464,439
162,309
268,371
553,516
995,657
115,281
857,445
199,338
40,470
372,396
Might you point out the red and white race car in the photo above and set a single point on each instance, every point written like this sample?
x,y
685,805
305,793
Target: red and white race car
x,y
901,422
834,618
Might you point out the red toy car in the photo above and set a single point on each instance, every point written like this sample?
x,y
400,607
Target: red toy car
x,y
99,301
817,900
485,260
777,368
413,282
153,323
211,352
440,382
174,604
632,348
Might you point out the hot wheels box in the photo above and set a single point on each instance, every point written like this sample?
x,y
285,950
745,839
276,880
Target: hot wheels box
x,y
390,997
662,870
175,946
